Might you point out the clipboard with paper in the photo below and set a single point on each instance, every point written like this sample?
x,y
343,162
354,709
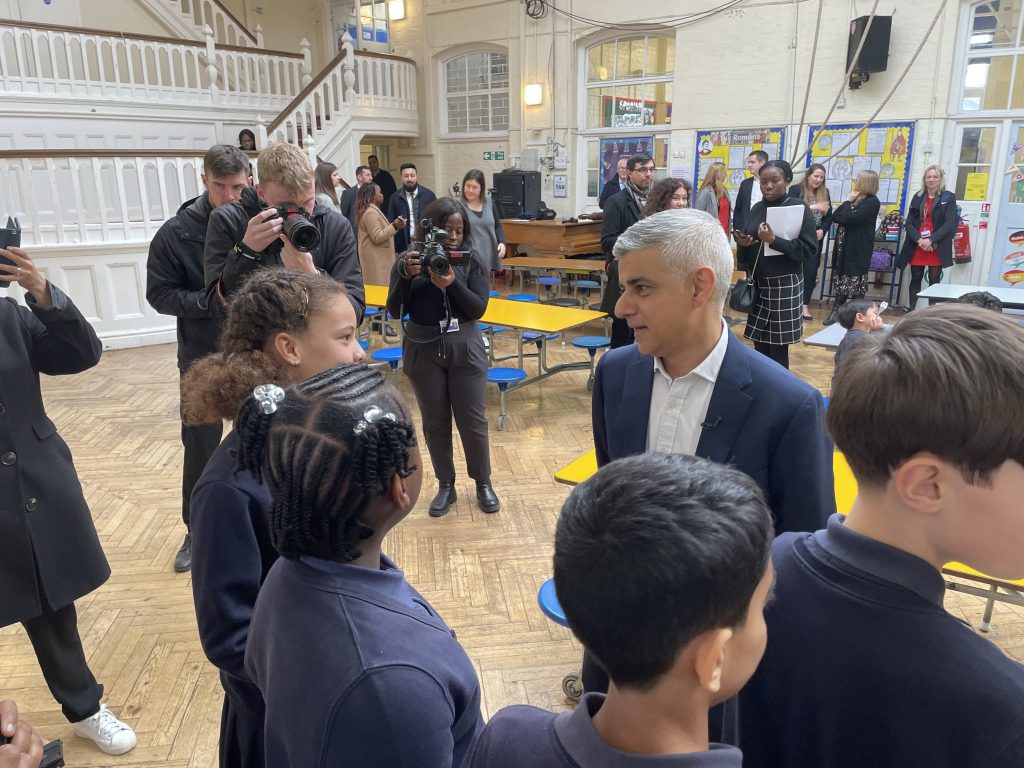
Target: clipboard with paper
x,y
786,222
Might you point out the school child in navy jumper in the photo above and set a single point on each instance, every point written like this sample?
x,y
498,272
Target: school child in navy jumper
x,y
858,317
355,667
661,565
282,327
864,667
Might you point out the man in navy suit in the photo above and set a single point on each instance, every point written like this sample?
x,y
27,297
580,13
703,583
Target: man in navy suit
x,y
614,185
687,385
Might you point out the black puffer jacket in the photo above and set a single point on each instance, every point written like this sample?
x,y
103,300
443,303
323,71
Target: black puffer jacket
x,y
224,268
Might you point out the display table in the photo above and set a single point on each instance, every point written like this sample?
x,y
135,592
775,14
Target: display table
x,y
1012,298
553,239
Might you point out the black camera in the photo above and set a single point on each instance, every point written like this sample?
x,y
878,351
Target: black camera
x,y
10,237
433,256
297,227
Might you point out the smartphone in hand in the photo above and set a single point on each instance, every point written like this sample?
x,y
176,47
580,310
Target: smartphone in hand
x,y
10,237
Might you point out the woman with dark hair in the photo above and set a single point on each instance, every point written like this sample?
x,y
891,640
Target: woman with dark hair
x,y
488,234
247,140
376,236
443,350
812,190
354,664
327,179
281,327
667,195
855,238
774,323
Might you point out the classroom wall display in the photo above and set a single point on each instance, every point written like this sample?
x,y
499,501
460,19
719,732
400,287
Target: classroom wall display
x,y
614,148
732,148
884,148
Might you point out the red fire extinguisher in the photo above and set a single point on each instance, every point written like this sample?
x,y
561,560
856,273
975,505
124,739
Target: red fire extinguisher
x,y
962,240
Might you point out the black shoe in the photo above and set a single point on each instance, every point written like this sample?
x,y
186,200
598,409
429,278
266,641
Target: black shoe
x,y
446,496
832,316
183,560
487,498
390,332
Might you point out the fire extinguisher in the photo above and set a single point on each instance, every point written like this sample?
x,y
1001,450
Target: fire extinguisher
x,y
962,240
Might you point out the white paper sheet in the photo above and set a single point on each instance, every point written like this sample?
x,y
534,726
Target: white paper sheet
x,y
876,143
785,221
738,157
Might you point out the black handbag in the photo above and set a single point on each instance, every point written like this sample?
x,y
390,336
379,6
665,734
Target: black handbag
x,y
744,293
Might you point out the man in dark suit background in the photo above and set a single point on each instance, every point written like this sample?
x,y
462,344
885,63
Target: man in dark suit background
x,y
688,385
621,211
614,185
347,203
409,203
749,191
381,178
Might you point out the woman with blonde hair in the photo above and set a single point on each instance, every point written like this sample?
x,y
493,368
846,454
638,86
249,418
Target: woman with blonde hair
x,y
855,240
930,226
814,193
713,196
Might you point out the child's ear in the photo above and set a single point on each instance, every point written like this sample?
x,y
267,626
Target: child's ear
x,y
920,482
397,493
709,658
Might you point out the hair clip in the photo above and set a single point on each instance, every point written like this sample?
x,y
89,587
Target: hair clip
x,y
371,416
268,396
305,304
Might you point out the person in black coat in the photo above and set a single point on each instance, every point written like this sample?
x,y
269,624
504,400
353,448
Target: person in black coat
x,y
409,204
774,321
246,235
347,201
749,191
51,551
381,178
615,185
174,286
855,240
623,210
812,190
930,226
282,327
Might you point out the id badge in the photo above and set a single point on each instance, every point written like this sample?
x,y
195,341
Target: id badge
x,y
451,327
926,233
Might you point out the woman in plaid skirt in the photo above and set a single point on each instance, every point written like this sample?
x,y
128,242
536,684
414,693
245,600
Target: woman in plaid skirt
x,y
775,320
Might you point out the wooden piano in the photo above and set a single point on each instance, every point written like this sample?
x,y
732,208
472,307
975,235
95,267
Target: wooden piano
x,y
553,239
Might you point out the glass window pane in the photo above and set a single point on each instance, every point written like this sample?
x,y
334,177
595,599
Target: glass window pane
x,y
962,172
477,67
455,75
996,25
1017,93
457,114
592,184
987,83
499,70
601,62
593,154
977,145
661,55
478,112
499,111
599,111
629,59
661,156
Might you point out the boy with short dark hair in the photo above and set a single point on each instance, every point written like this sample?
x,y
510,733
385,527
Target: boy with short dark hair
x,y
661,563
865,667
858,317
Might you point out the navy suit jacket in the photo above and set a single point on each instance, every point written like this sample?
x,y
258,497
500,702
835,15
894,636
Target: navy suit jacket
x,y
762,420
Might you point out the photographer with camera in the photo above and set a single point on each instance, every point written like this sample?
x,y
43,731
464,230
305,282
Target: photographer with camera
x,y
279,224
444,290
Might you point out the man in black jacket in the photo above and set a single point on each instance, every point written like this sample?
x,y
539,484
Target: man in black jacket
x,y
247,235
409,203
749,191
381,178
622,211
175,286
347,203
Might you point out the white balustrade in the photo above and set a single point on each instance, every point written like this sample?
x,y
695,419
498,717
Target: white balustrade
x,y
64,200
209,13
94,65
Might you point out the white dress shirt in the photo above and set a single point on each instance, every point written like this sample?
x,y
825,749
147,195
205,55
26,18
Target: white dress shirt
x,y
755,192
678,406
410,202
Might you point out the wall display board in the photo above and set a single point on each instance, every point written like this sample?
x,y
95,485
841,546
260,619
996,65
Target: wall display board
x,y
732,148
884,148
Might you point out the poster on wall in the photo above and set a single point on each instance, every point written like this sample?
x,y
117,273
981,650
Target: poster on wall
x,y
623,112
885,148
732,148
1008,255
621,147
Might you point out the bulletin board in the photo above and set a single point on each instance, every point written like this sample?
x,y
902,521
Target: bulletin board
x,y
732,148
885,148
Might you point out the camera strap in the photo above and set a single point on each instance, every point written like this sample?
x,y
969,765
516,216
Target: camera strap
x,y
437,337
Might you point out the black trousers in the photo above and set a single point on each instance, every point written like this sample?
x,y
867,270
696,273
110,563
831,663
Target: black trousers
x,y
58,647
917,275
449,378
811,265
199,443
777,352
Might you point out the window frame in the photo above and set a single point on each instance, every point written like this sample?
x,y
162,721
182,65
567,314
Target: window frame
x,y
445,133
964,55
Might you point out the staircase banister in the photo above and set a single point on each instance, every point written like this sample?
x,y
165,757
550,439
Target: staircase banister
x,y
231,16
385,56
105,33
10,154
259,51
313,85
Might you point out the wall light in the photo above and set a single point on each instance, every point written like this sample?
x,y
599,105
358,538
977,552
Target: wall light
x,y
534,94
396,10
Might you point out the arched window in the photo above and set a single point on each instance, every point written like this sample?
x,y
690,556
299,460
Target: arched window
x,y
993,78
475,88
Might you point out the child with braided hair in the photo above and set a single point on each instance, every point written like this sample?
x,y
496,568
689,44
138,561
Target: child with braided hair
x,y
282,327
355,666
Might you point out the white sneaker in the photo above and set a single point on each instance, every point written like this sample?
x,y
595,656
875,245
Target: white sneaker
x,y
110,734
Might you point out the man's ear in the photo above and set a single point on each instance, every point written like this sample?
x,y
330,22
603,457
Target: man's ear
x,y
703,285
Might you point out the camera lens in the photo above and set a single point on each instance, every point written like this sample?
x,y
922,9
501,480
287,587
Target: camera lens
x,y
440,265
303,235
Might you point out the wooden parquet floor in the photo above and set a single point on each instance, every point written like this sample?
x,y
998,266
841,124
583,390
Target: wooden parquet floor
x,y
482,572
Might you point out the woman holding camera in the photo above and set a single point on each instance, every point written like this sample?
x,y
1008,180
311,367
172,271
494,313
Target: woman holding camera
x,y
444,292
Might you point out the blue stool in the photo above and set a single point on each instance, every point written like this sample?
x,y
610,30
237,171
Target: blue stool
x,y
534,336
495,295
390,355
504,378
586,286
549,283
572,684
591,344
521,297
364,344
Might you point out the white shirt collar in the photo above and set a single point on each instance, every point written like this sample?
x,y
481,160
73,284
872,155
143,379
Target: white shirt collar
x,y
709,366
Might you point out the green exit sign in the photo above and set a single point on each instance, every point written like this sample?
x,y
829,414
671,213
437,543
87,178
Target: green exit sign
x,y
496,155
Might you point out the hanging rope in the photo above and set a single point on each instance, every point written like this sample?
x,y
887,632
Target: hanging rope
x,y
810,77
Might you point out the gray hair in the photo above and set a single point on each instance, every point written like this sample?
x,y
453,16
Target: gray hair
x,y
688,239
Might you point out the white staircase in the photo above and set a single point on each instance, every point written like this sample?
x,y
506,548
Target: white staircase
x,y
188,18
